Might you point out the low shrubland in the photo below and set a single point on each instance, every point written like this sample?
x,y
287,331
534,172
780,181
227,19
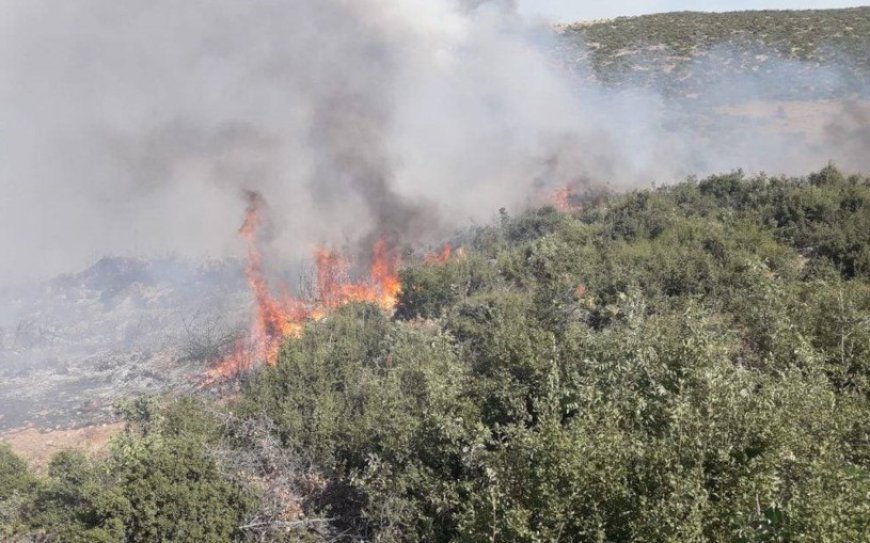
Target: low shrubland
x,y
688,363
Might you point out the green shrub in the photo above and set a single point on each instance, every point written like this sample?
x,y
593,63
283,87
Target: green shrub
x,y
688,363
17,489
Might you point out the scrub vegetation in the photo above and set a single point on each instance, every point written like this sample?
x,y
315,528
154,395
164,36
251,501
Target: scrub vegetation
x,y
689,52
687,363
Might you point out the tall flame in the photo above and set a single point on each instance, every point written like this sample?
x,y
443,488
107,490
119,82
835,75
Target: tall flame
x,y
275,319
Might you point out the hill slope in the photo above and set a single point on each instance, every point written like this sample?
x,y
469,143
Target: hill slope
x,y
685,363
686,51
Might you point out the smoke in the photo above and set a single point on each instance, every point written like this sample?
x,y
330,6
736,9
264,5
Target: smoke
x,y
132,127
849,130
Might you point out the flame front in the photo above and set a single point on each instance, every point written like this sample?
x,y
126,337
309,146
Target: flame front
x,y
275,319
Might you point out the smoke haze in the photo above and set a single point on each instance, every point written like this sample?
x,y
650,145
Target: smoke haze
x,y
132,128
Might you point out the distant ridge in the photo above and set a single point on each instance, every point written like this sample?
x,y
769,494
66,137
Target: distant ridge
x,y
650,50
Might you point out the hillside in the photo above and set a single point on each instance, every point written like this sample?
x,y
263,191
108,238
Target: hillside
x,y
603,359
688,363
685,52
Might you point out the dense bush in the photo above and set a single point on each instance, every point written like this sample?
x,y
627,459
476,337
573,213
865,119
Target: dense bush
x,y
690,363
683,364
160,483
16,492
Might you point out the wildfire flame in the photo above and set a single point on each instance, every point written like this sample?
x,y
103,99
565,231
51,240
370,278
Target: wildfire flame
x,y
561,198
275,319
439,257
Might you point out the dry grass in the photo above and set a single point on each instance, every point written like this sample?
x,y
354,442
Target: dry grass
x,y
38,446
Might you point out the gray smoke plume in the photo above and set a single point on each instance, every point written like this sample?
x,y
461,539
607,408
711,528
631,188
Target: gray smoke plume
x,y
849,130
131,128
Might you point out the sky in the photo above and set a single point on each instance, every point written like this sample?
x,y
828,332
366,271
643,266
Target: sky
x,y
567,11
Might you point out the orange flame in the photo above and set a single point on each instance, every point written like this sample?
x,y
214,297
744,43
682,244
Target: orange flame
x,y
439,257
384,275
336,289
275,319
561,199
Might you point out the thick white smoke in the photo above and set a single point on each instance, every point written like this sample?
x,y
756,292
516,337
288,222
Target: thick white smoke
x,y
130,127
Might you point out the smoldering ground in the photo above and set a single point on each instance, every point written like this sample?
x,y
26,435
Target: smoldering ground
x,y
131,127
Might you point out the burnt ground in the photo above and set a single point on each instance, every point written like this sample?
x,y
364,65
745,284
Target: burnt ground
x,y
71,347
